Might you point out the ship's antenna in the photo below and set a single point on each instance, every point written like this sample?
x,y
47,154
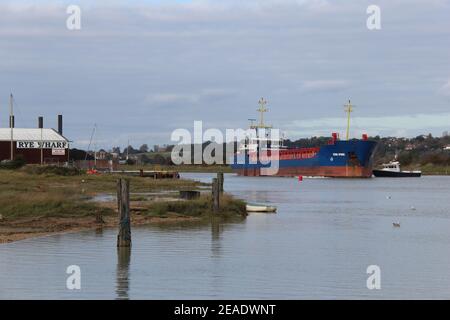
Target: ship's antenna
x,y
348,109
262,108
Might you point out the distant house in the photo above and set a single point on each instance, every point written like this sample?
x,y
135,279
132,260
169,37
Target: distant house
x,y
447,147
409,147
102,154
158,148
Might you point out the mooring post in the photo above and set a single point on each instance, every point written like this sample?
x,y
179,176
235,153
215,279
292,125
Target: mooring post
x,y
220,181
215,195
99,217
123,201
119,198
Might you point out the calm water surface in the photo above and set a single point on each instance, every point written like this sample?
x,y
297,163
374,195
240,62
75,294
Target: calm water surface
x,y
318,245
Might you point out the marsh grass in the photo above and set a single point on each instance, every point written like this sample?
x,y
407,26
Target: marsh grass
x,y
25,193
52,170
31,192
430,169
200,207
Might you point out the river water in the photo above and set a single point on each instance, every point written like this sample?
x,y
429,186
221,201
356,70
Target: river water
x,y
318,245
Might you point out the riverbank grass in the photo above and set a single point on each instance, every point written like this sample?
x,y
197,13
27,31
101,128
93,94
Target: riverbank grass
x,y
41,201
25,194
200,207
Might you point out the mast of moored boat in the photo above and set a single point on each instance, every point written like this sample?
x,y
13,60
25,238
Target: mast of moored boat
x,y
11,124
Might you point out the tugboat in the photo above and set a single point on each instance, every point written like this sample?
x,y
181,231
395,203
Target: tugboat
x,y
392,169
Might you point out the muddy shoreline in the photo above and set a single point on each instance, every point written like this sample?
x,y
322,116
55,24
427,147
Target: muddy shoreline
x,y
25,228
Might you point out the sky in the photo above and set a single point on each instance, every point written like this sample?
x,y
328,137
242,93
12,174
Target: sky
x,y
140,69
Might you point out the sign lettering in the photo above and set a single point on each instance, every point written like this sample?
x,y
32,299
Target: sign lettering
x,y
42,144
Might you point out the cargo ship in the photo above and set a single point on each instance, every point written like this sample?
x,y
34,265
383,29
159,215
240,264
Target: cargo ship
x,y
260,154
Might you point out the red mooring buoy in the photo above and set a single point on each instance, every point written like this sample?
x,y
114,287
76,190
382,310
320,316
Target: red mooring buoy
x,y
300,178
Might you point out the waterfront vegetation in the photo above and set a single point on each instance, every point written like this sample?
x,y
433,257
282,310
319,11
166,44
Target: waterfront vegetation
x,y
431,169
425,152
40,200
33,190
200,207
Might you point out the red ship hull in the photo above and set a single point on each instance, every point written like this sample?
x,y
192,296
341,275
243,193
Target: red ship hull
x,y
329,171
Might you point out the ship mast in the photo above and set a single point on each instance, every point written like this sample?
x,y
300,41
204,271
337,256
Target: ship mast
x,y
262,108
348,109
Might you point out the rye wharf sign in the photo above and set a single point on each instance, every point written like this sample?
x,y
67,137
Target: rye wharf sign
x,y
41,144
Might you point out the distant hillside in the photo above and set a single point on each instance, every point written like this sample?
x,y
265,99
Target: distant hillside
x,y
421,150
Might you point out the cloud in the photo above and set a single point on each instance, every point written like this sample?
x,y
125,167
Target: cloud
x,y
402,125
177,99
171,98
324,85
445,89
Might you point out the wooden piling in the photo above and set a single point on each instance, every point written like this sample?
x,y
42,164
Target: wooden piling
x,y
123,201
99,217
220,181
189,194
215,195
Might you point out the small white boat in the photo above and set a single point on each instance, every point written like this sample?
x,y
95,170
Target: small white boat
x,y
260,208
392,170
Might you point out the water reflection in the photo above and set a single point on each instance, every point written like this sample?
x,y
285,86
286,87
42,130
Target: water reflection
x,y
216,230
99,232
123,273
